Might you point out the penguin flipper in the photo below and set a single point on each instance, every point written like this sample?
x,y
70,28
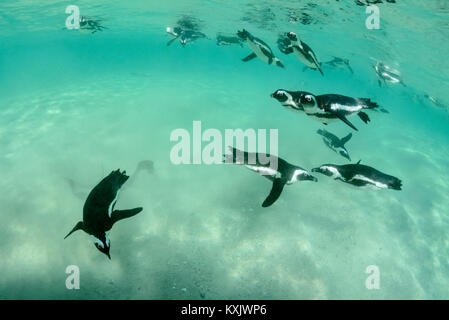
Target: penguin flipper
x,y
288,50
276,190
343,118
79,226
321,71
346,139
118,215
350,69
250,57
171,41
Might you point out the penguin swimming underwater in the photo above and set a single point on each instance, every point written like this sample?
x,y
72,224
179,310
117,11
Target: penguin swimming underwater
x,y
184,36
301,50
360,176
90,25
260,49
98,212
387,74
327,107
223,40
336,144
283,174
339,63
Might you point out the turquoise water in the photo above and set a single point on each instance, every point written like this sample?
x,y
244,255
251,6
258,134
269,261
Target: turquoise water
x,y
78,105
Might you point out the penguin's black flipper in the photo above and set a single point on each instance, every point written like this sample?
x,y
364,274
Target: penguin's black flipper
x,y
350,69
287,50
364,117
250,57
346,139
343,118
171,41
118,215
276,190
321,71
79,226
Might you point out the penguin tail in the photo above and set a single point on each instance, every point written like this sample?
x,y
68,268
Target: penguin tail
x,y
395,184
368,104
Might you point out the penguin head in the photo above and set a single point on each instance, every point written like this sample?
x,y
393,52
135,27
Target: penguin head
x,y
83,21
292,36
328,170
280,95
307,100
103,245
243,34
301,175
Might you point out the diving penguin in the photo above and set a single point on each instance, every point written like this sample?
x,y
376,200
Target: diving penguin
x,y
327,107
280,174
302,51
336,144
260,49
98,212
360,175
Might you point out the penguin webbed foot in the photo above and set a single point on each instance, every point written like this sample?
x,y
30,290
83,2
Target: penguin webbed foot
x,y
249,57
365,118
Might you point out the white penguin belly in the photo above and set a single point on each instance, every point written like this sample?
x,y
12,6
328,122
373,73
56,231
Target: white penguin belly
x,y
266,171
371,183
256,49
303,59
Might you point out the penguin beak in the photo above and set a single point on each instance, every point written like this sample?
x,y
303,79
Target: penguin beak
x,y
109,256
271,95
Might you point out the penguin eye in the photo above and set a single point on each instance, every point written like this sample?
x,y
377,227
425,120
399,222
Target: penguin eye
x,y
308,98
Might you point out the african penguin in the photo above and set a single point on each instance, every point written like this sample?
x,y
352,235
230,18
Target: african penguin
x,y
303,52
277,170
387,74
260,49
336,144
327,107
90,25
223,40
360,176
339,63
184,36
98,212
